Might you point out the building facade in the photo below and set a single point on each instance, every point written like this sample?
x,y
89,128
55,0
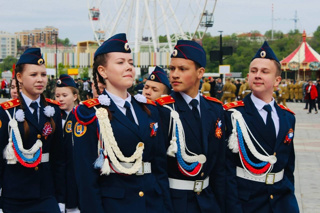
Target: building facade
x,y
38,36
8,45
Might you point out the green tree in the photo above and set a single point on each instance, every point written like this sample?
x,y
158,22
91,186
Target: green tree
x,y
7,63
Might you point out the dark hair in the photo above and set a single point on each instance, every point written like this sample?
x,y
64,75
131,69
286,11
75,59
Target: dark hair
x,y
20,69
101,60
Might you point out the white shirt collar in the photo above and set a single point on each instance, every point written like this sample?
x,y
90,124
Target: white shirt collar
x,y
187,98
259,104
119,101
29,101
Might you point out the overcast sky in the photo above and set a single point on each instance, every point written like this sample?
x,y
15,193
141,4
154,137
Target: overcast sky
x,y
231,16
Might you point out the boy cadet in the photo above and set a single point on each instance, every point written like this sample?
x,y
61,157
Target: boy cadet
x,y
196,151
260,162
156,85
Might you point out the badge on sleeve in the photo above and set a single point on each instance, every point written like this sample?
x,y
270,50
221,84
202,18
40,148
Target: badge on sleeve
x,y
79,129
68,127
0,124
218,129
47,130
154,128
289,137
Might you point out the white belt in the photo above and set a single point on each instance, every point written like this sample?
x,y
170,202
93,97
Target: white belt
x,y
270,178
196,186
247,91
227,92
144,169
206,92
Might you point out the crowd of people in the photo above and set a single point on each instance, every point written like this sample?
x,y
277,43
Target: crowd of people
x,y
170,144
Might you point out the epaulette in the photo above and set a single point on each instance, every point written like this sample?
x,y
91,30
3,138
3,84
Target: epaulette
x,y
286,108
151,102
165,100
233,105
91,102
52,101
212,99
10,104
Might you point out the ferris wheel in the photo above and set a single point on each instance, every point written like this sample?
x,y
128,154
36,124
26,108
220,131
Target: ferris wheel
x,y
151,25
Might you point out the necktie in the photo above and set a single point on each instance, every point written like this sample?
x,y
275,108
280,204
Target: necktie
x,y
35,107
270,128
128,112
194,103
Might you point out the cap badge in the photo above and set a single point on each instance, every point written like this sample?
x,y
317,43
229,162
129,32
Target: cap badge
x,y
175,53
126,47
152,77
263,54
40,61
59,81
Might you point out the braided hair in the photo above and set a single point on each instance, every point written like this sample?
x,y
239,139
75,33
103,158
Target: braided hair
x,y
19,69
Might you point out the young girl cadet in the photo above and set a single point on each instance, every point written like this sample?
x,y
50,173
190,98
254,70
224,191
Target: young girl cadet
x,y
120,161
31,165
67,93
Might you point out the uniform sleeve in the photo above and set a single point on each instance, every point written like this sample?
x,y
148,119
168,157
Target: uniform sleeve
x,y
289,168
218,174
232,202
3,143
85,153
160,169
58,160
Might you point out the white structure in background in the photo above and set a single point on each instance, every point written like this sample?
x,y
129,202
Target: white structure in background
x,y
145,20
8,45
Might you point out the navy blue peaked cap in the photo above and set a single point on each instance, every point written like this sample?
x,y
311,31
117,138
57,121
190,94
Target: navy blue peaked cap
x,y
265,51
159,75
117,43
31,56
66,81
190,50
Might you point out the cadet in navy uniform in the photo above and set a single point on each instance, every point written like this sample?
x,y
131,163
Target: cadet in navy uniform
x,y
196,151
120,162
67,93
157,84
260,158
32,165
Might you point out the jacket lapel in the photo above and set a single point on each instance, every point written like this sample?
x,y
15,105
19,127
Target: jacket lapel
x,y
29,117
207,113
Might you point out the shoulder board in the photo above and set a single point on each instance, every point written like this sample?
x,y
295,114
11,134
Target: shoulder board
x,y
52,101
10,104
91,102
233,105
151,102
212,99
286,108
165,100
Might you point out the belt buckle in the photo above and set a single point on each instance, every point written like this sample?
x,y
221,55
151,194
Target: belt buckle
x,y
141,170
198,186
270,178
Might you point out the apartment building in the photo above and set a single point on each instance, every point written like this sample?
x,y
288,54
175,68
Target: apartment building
x,y
38,36
8,45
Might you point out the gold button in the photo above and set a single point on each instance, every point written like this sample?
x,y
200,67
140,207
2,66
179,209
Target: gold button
x,y
198,193
271,196
202,173
141,194
38,136
36,168
274,153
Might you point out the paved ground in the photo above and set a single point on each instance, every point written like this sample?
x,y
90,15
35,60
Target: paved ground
x,y
307,147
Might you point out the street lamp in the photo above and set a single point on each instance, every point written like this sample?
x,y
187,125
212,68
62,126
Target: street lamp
x,y
221,53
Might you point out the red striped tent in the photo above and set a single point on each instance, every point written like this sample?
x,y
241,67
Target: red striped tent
x,y
303,58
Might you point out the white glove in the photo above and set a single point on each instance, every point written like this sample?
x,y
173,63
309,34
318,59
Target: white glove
x,y
74,210
1,211
280,95
242,92
62,207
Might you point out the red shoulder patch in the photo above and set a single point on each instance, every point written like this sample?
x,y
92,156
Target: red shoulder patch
x,y
212,99
233,105
91,102
165,100
52,101
286,108
151,102
10,104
